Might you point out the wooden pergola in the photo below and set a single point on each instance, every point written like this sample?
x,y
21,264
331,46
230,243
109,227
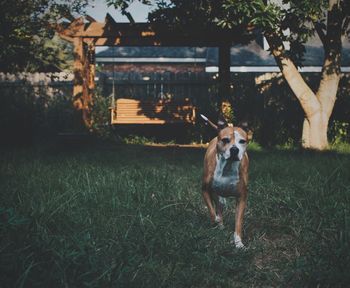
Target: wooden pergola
x,y
86,33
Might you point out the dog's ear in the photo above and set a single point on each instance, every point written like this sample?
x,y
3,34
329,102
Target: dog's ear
x,y
245,126
207,121
222,123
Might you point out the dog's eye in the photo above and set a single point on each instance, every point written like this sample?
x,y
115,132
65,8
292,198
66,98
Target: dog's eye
x,y
242,141
225,140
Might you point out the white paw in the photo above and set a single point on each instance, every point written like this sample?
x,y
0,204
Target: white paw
x,y
218,219
237,241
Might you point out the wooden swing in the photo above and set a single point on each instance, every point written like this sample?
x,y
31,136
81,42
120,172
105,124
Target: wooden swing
x,y
131,111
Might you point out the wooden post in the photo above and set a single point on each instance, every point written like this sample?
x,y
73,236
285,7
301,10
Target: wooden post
x,y
84,78
92,69
89,82
78,73
224,73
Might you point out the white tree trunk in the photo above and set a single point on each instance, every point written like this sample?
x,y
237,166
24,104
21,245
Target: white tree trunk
x,y
305,138
317,107
318,131
313,136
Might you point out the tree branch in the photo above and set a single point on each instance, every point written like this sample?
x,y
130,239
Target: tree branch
x,y
300,88
345,24
321,34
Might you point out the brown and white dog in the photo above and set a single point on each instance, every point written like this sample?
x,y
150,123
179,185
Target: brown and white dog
x,y
226,173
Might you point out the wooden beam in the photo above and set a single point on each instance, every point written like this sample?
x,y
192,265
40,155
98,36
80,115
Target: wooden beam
x,y
90,18
88,82
92,70
61,30
138,34
151,41
75,27
103,41
67,38
109,20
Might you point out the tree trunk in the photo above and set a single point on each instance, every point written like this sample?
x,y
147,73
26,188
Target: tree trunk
x,y
305,138
317,132
313,135
317,107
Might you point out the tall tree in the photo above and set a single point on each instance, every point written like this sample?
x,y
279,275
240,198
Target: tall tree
x,y
329,19
26,33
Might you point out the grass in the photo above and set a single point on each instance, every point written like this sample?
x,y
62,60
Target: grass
x,y
132,216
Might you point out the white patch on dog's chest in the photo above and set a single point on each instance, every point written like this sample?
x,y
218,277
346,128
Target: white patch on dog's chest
x,y
226,177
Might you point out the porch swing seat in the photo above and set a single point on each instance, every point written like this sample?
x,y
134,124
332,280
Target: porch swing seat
x,y
132,111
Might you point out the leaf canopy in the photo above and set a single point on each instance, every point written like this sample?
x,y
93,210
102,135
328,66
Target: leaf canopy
x,y
26,34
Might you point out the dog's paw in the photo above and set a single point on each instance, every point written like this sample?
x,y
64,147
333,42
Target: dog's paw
x,y
218,222
237,241
218,219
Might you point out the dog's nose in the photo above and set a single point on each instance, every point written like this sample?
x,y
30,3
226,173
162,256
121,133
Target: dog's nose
x,y
234,150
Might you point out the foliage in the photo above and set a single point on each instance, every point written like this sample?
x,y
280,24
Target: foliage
x,y
124,4
132,216
26,28
139,140
192,17
100,115
28,112
340,132
300,19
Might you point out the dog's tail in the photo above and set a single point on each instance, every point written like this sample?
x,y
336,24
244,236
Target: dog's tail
x,y
207,121
222,201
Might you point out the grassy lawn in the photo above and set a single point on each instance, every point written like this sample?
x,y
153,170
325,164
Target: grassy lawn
x,y
133,216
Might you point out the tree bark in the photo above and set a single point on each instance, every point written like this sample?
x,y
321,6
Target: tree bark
x,y
305,138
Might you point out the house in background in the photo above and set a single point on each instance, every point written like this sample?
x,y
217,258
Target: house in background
x,y
154,72
244,58
148,60
168,71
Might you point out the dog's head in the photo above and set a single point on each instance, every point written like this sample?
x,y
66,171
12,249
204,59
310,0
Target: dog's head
x,y
231,141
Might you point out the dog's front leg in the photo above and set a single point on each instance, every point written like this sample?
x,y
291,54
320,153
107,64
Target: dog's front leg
x,y
240,207
219,205
208,201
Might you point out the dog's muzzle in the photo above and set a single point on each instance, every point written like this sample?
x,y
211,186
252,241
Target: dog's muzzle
x,y
234,153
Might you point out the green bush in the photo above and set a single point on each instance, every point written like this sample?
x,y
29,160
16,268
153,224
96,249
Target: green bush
x,y
100,115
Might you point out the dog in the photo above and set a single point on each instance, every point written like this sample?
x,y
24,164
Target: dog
x,y
226,173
